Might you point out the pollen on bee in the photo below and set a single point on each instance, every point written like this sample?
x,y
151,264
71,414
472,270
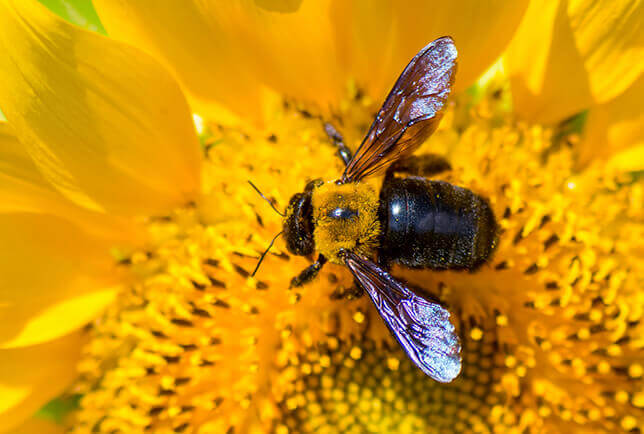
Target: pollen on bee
x,y
345,217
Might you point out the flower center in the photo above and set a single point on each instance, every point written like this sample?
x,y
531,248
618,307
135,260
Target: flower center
x,y
196,344
362,386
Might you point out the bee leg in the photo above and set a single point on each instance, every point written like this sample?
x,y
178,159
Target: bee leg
x,y
309,273
383,261
420,165
313,184
355,291
351,293
343,151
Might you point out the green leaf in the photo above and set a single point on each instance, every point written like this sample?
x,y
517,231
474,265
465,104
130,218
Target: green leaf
x,y
56,409
79,12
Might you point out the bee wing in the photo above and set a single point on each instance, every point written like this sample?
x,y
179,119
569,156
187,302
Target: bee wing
x,y
422,328
411,112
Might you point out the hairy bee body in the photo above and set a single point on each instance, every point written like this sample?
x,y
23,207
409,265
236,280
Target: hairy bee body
x,y
345,217
413,222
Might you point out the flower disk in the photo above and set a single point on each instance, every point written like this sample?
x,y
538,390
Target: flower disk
x,y
550,328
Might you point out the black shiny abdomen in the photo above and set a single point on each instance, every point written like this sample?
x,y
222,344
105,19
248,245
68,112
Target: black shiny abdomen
x,y
434,224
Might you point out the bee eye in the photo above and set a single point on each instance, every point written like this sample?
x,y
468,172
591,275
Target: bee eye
x,y
342,213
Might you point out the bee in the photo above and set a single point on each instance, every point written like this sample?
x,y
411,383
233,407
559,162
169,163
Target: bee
x,y
411,221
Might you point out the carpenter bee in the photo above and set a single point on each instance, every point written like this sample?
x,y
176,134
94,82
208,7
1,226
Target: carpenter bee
x,y
411,221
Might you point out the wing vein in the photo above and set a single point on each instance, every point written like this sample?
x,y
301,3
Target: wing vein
x,y
422,328
411,112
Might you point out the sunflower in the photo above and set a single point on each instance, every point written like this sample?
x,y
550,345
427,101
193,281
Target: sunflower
x,y
129,236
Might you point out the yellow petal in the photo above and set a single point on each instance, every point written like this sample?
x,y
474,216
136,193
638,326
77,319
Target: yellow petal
x,y
203,56
567,56
222,51
310,49
481,31
24,189
616,127
31,376
105,124
21,184
53,278
39,426
610,37
628,160
51,318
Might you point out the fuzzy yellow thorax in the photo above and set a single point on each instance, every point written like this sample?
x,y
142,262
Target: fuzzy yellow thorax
x,y
358,233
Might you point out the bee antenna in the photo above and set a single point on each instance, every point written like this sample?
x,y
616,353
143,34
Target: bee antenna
x,y
261,258
269,202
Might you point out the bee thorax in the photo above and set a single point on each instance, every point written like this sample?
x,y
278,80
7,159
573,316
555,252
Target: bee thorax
x,y
345,217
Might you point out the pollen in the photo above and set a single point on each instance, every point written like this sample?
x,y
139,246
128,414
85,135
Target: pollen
x,y
551,328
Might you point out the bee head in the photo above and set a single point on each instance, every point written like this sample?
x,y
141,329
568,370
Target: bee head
x,y
298,224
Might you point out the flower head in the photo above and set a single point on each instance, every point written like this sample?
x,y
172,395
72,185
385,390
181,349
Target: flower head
x,y
149,238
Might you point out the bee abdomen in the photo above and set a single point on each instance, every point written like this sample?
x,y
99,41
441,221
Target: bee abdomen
x,y
434,224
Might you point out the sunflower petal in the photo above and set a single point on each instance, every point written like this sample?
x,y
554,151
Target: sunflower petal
x,y
52,318
207,60
24,189
105,124
567,56
31,376
307,50
53,278
375,40
223,51
610,36
616,127
40,426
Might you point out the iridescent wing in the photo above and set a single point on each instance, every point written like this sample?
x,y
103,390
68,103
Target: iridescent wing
x,y
411,112
422,328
